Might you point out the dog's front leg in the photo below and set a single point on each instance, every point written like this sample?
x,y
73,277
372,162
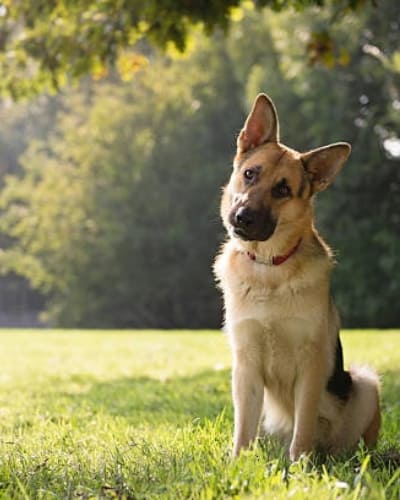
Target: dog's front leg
x,y
248,393
308,389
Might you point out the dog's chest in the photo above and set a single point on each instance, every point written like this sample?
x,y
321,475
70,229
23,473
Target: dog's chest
x,y
280,347
274,326
290,301
287,314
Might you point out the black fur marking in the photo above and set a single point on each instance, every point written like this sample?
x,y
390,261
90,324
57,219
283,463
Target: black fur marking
x,y
303,184
281,190
340,382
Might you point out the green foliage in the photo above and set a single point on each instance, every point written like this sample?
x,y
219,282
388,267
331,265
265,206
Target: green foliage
x,y
148,415
114,216
45,44
112,213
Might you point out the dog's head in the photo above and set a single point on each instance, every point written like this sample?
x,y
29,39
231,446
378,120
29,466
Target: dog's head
x,y
271,186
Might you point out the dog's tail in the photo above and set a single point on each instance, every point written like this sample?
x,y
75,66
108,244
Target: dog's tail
x,y
362,412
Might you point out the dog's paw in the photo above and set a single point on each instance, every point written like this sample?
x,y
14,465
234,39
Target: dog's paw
x,y
298,450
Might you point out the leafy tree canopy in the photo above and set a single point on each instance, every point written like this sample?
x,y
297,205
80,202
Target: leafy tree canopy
x,y
113,214
45,43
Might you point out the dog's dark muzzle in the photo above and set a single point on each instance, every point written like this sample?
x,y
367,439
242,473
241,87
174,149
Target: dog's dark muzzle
x,y
252,225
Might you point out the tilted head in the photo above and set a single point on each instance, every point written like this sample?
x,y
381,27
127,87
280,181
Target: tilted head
x,y
271,186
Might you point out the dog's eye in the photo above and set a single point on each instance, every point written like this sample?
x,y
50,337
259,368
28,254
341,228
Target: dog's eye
x,y
281,190
249,174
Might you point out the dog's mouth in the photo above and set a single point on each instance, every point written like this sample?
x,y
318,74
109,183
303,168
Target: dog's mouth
x,y
252,236
239,233
249,225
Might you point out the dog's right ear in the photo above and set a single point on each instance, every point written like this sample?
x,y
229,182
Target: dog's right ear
x,y
261,126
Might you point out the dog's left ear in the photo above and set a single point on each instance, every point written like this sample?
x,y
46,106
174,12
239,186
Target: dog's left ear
x,y
261,126
323,164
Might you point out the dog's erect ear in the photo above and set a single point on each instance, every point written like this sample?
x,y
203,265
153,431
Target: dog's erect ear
x,y
323,164
261,126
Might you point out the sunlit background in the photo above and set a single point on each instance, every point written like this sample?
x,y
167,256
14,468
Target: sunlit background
x,y
114,145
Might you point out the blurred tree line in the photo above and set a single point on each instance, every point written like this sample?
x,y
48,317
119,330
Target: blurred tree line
x,y
110,190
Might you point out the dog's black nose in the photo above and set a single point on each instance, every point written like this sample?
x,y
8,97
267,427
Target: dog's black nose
x,y
244,217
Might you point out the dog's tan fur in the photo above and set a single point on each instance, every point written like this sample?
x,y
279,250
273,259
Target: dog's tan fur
x,y
282,323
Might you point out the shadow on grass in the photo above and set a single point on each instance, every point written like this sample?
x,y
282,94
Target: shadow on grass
x,y
144,400
179,400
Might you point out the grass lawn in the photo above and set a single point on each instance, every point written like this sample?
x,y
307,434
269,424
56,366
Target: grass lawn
x,y
90,414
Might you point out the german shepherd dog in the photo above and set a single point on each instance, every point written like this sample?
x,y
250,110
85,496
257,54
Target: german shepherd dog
x,y
274,271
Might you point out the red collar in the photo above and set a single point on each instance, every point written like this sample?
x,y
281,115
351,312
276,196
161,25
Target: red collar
x,y
276,260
